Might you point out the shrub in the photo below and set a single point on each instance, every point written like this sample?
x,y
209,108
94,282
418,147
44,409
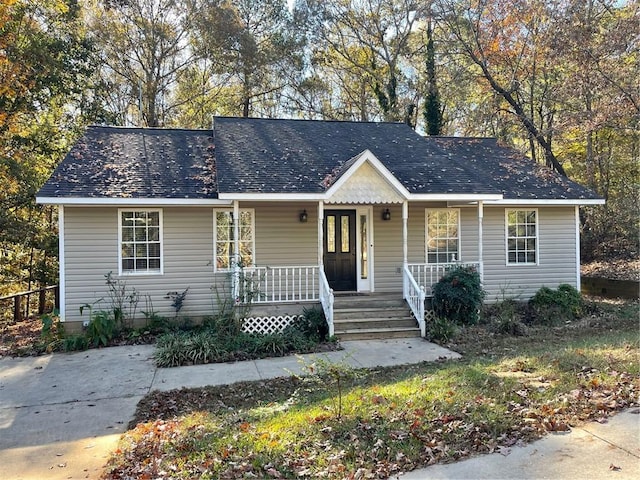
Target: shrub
x,y
52,333
101,329
75,343
458,296
551,307
441,330
312,323
506,317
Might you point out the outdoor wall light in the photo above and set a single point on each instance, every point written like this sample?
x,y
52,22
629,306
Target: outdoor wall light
x,y
386,214
304,217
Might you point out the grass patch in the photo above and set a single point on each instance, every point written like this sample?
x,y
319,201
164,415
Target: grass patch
x,y
506,390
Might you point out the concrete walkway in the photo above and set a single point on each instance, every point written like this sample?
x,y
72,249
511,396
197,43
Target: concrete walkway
x,y
61,415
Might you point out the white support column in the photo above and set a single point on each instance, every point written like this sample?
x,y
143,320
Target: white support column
x,y
577,220
61,265
480,239
236,231
236,249
405,233
320,233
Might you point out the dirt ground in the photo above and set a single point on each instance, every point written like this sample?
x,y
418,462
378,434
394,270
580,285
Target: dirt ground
x,y
613,270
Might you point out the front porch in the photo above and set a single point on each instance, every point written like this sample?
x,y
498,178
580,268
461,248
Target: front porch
x,y
349,315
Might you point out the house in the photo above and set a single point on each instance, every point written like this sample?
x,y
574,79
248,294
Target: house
x,y
298,211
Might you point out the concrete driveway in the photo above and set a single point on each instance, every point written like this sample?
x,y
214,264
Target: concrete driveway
x,y
61,415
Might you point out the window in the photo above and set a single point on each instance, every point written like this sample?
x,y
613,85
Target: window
x,y
522,237
224,236
443,238
140,241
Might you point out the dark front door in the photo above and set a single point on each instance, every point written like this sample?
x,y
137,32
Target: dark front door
x,y
340,249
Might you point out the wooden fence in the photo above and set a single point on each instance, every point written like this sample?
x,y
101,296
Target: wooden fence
x,y
20,306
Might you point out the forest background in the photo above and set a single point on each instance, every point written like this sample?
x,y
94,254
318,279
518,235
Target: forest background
x,y
556,79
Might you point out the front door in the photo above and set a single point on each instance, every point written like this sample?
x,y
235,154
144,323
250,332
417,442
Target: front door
x,y
340,249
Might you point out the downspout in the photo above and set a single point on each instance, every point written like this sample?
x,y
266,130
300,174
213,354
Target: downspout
x,y
480,240
61,265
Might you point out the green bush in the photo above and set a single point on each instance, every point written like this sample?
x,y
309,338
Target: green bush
x,y
312,323
551,307
101,329
441,330
75,343
52,333
458,296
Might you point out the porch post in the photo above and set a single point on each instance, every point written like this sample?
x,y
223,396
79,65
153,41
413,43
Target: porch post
x,y
320,232
405,234
480,239
236,251
405,250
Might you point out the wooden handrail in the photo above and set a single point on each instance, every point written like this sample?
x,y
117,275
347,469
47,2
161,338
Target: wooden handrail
x,y
17,301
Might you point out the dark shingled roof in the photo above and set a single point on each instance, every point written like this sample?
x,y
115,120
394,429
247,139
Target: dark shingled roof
x,y
113,162
292,156
277,156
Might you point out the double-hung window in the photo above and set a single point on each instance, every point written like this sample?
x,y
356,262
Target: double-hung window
x,y
443,235
140,241
224,239
522,236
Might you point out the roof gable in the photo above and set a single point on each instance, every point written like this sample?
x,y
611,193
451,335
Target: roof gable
x,y
365,180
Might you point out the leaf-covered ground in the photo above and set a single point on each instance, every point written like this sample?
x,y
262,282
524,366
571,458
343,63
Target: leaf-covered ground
x,y
613,270
507,390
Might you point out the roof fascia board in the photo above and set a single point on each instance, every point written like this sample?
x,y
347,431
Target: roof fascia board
x,y
456,197
273,197
364,156
129,201
552,201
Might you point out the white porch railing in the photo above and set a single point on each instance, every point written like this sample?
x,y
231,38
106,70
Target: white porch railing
x,y
326,299
414,294
428,274
279,284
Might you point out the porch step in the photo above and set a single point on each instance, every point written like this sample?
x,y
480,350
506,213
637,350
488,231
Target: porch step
x,y
378,334
369,317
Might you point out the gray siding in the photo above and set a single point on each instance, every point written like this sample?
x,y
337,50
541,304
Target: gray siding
x,y
91,251
557,255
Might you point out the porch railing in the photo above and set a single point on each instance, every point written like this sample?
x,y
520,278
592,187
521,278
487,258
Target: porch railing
x,y
428,274
415,295
326,299
279,284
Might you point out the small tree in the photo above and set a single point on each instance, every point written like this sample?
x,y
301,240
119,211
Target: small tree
x,y
458,295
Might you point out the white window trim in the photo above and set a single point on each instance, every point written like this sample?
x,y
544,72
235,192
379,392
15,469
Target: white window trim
x,y
426,231
506,237
215,237
161,235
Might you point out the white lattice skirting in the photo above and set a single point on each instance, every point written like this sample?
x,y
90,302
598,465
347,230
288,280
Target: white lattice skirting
x,y
264,325
429,315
